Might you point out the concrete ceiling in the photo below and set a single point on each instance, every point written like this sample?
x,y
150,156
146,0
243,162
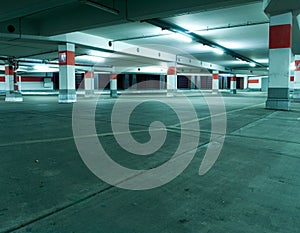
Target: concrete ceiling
x,y
33,29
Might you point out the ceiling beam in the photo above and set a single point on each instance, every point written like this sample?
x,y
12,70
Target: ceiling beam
x,y
197,38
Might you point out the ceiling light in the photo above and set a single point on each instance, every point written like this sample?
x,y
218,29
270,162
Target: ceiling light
x,y
218,51
252,64
89,58
183,37
43,68
101,54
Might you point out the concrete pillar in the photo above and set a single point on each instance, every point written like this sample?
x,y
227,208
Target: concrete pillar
x,y
280,41
11,88
113,86
171,81
233,85
162,82
89,85
296,84
126,86
215,82
193,85
246,82
134,85
66,57
96,82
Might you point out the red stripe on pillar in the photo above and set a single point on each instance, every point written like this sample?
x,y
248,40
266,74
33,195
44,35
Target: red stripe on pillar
x,y
9,70
215,76
114,76
233,78
253,81
2,79
66,58
292,78
280,36
89,74
32,79
172,71
297,64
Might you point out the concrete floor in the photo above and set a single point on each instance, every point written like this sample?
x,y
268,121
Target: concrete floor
x,y
253,187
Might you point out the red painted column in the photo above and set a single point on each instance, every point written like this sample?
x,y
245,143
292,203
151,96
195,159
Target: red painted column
x,y
171,81
113,86
215,82
66,57
280,42
12,93
233,85
296,95
89,86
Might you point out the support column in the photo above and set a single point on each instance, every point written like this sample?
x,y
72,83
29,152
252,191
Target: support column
x,y
161,81
113,86
233,85
89,85
280,41
66,57
126,81
296,84
215,82
171,81
193,82
246,83
11,88
134,84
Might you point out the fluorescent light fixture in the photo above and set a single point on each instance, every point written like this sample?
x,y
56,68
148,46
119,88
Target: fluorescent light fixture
x,y
89,58
292,66
252,64
43,68
183,37
95,53
218,51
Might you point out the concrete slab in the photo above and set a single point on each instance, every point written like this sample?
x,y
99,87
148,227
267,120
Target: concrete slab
x,y
253,187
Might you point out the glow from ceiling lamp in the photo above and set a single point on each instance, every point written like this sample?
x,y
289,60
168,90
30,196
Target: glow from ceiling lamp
x,y
92,59
218,51
95,53
292,66
44,68
183,37
252,64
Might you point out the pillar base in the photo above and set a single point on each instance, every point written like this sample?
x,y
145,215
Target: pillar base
x,y
113,93
67,96
89,93
278,104
296,95
13,97
215,92
171,93
232,91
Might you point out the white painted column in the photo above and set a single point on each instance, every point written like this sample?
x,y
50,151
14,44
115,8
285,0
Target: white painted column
x,y
66,57
113,86
246,82
162,82
233,85
215,82
296,84
280,41
193,85
171,81
12,95
89,85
